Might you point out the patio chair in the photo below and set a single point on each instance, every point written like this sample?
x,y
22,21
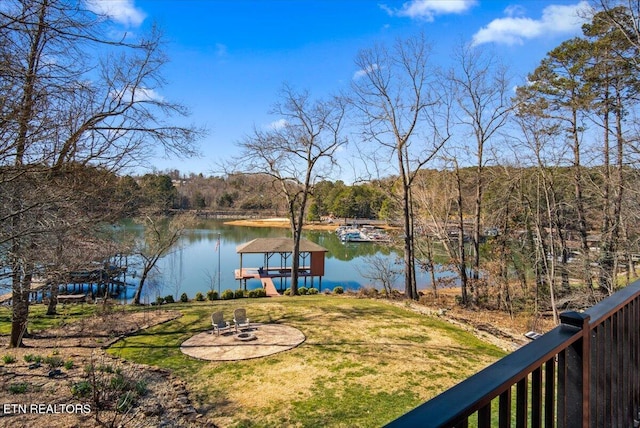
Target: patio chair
x,y
218,323
240,319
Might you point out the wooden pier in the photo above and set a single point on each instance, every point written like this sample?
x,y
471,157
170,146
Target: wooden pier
x,y
266,277
80,284
311,262
36,286
269,287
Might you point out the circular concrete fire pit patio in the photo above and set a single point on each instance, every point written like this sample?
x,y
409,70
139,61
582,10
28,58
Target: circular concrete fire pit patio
x,y
258,341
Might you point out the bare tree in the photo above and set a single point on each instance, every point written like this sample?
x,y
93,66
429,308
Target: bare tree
x,y
159,238
381,270
437,198
544,203
404,115
559,93
297,153
483,97
71,96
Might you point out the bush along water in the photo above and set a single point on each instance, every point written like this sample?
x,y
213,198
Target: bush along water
x,y
227,295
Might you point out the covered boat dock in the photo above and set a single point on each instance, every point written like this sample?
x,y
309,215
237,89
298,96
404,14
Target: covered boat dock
x,y
311,264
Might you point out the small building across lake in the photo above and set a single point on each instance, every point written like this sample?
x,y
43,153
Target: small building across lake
x,y
311,264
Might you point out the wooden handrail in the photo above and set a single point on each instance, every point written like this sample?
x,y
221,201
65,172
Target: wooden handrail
x,y
592,358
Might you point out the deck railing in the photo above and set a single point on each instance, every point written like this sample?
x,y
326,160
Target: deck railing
x,y
584,373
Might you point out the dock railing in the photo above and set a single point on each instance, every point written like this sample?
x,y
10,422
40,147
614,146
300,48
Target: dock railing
x,y
584,373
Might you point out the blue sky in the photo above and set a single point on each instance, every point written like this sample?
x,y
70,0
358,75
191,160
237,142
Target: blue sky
x,y
229,58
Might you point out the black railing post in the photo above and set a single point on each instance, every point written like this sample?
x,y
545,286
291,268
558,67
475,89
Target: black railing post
x,y
574,374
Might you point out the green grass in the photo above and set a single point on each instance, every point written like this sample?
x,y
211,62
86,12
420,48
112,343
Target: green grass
x,y
39,320
364,362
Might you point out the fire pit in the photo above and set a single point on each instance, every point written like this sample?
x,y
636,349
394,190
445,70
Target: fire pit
x,y
244,337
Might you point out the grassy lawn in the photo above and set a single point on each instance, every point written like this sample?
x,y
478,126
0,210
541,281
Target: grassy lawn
x,y
364,362
39,320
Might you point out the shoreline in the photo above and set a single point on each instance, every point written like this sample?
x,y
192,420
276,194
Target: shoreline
x,y
284,223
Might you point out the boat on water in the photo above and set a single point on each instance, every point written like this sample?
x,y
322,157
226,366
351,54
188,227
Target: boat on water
x,y
363,234
354,236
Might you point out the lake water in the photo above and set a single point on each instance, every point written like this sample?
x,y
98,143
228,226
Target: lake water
x,y
199,264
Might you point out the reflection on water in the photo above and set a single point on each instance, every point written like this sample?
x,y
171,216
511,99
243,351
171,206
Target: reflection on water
x,y
205,259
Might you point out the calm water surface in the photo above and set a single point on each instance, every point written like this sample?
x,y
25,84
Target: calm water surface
x,y
198,263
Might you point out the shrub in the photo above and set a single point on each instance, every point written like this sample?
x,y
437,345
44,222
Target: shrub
x,y
287,292
54,361
109,387
338,290
184,298
313,291
199,297
212,295
303,291
141,387
159,300
368,292
258,292
18,388
227,295
239,294
169,299
68,364
81,389
30,358
9,359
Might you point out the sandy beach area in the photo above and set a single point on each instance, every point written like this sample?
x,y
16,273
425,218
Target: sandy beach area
x,y
280,222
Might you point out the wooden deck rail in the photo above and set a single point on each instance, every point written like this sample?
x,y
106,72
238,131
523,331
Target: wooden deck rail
x,y
584,373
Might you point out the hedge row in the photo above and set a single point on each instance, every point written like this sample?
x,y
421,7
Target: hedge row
x,y
239,294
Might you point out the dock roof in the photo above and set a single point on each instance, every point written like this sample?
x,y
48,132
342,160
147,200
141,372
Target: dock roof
x,y
277,245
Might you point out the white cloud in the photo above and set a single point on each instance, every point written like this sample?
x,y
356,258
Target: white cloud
x,y
122,11
140,95
278,124
428,9
144,94
361,73
514,10
514,29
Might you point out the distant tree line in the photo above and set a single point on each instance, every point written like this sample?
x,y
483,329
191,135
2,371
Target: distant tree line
x,y
253,193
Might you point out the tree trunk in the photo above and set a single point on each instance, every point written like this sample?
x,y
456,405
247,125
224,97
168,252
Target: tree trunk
x,y
20,308
462,263
409,280
477,217
145,272
580,210
431,267
53,298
